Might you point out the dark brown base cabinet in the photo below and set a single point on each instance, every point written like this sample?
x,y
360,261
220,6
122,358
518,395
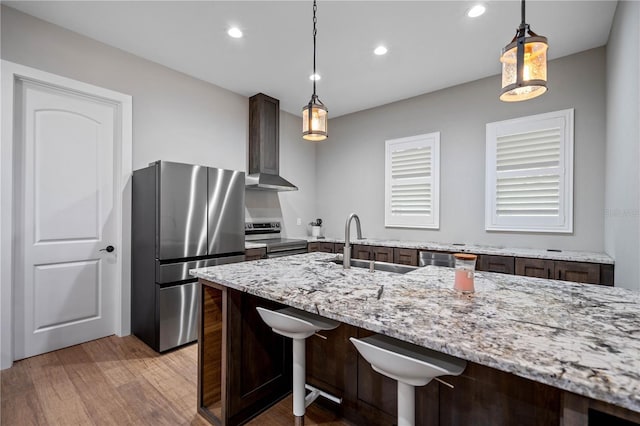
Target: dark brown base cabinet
x,y
330,363
578,272
325,247
538,268
377,253
255,254
405,256
581,272
359,251
491,263
321,246
243,367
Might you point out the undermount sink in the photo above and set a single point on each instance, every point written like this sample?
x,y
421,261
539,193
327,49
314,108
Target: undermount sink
x,y
379,266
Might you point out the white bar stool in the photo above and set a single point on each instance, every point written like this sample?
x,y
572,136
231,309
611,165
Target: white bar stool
x,y
410,365
299,325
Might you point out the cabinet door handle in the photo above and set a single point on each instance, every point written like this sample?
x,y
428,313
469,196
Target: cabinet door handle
x,y
320,336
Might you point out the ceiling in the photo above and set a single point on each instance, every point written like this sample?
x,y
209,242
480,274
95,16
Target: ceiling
x,y
432,44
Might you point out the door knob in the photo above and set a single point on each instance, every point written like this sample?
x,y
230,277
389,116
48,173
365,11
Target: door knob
x,y
108,249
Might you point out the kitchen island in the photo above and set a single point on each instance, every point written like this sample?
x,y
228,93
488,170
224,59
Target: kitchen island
x,y
579,345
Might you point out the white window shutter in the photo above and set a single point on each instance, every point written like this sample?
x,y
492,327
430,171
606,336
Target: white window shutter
x,y
412,181
530,173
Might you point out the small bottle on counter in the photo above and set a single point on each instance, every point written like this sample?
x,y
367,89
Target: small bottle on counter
x,y
465,267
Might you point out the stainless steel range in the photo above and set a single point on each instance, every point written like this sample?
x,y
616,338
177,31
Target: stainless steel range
x,y
269,233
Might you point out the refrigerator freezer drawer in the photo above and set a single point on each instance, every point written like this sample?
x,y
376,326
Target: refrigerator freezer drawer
x,y
178,315
179,271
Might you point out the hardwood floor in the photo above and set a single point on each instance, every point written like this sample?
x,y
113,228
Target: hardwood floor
x,y
118,381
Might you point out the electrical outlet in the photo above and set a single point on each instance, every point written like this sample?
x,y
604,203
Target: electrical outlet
x,y
299,222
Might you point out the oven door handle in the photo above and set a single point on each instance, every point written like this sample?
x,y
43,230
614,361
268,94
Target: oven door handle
x,y
272,255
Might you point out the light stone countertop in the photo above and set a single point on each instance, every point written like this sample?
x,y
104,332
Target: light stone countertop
x,y
578,337
567,255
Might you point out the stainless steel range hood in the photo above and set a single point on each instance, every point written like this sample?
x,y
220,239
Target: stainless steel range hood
x,y
264,146
268,182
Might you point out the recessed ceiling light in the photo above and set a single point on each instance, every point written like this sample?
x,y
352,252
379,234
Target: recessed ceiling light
x,y
315,77
380,50
475,11
234,32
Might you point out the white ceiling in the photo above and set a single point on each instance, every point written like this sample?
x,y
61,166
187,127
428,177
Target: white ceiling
x,y
432,44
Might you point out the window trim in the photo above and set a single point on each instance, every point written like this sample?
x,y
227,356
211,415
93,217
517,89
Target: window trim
x,y
417,222
564,222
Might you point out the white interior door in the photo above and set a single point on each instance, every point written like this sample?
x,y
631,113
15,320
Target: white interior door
x,y
65,285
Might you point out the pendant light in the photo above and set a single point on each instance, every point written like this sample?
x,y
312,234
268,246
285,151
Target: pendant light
x,y
524,65
314,114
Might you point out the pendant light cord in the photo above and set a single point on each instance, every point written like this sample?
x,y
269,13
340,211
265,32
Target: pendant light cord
x,y
315,31
524,28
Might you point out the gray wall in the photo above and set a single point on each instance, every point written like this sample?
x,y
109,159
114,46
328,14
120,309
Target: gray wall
x,y
622,214
175,117
350,166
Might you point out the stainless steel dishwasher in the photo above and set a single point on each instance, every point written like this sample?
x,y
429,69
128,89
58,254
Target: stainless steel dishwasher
x,y
437,259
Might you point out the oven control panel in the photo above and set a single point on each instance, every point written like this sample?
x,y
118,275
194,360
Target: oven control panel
x,y
253,228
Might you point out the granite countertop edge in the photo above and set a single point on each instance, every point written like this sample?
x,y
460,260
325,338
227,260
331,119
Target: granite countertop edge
x,y
565,255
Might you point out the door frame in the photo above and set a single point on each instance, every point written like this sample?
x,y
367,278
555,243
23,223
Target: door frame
x,y
10,73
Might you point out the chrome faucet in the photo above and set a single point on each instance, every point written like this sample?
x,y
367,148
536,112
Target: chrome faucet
x,y
346,259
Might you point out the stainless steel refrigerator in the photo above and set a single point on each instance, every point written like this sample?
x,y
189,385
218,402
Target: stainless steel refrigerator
x,y
183,217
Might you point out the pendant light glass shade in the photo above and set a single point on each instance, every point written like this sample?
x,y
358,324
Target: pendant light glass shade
x,y
315,118
314,122
524,65
533,81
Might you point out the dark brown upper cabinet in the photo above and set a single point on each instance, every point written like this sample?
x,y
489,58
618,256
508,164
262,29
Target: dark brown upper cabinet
x,y
264,134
